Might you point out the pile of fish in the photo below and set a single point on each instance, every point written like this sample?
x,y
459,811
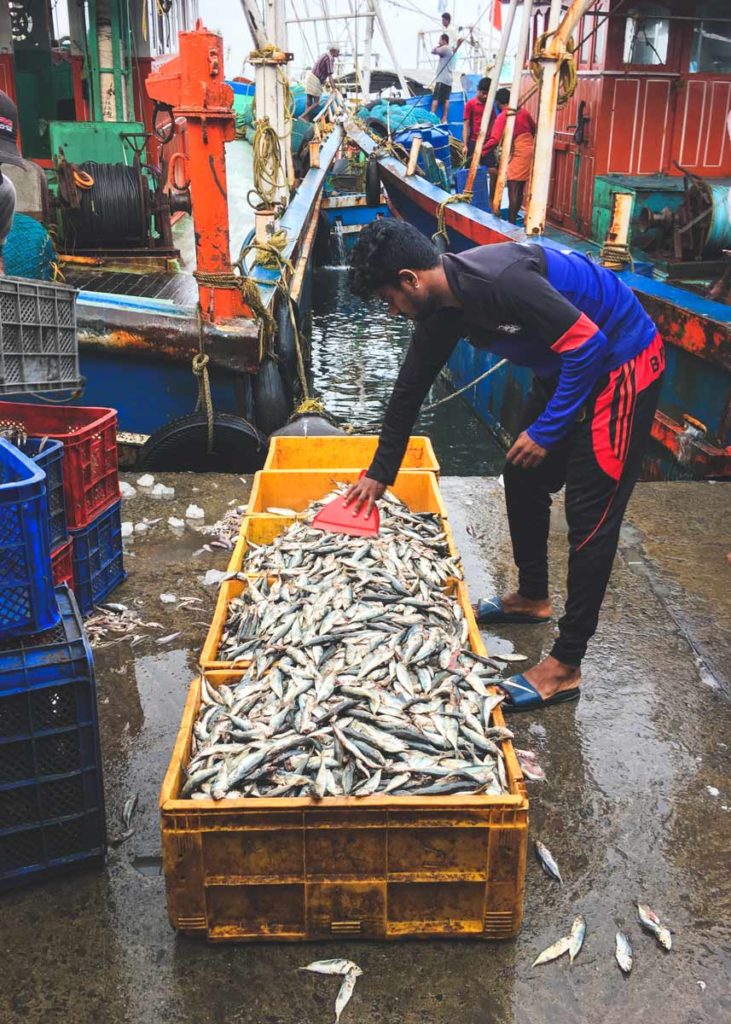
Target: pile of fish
x,y
357,678
347,970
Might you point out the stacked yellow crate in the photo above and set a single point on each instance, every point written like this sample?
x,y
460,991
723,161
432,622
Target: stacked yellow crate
x,y
377,866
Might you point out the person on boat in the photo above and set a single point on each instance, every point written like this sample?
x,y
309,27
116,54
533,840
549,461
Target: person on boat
x,y
521,156
443,77
9,154
473,111
455,40
597,361
320,75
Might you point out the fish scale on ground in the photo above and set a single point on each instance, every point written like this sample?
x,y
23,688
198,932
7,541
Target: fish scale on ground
x,y
356,674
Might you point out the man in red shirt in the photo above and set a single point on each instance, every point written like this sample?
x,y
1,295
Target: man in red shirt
x,y
473,110
521,156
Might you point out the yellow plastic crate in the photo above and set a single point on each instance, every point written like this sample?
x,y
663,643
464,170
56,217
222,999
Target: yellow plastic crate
x,y
379,867
335,453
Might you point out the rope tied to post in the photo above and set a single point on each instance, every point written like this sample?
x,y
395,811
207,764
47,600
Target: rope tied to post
x,y
458,197
568,78
252,298
267,162
205,401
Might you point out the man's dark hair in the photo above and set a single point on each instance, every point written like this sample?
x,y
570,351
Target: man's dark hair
x,y
444,38
483,85
503,96
385,247
447,17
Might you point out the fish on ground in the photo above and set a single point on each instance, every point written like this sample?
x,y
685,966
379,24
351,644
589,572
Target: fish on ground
x,y
651,923
554,951
623,952
548,862
578,931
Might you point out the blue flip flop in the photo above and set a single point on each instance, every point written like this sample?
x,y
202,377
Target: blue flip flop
x,y
492,611
523,696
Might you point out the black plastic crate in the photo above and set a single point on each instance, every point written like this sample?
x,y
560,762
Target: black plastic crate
x,y
98,558
29,854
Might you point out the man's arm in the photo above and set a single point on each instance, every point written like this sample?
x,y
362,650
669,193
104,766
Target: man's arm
x,y
496,132
466,126
576,339
430,348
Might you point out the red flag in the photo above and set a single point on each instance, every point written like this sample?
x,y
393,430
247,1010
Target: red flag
x,y
497,17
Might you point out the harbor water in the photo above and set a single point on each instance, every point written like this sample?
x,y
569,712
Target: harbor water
x,y
357,349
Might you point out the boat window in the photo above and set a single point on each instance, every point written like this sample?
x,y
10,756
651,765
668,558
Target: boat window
x,y
711,50
646,36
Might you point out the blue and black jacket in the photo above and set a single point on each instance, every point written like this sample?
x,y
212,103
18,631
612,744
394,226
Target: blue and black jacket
x,y
568,319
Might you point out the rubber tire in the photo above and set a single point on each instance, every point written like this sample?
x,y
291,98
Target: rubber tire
x,y
372,183
270,398
286,347
440,244
322,251
182,444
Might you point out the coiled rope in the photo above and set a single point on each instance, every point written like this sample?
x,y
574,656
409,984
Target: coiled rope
x,y
267,162
112,209
567,75
458,197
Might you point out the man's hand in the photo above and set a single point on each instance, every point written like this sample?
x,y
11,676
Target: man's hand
x,y
526,453
364,492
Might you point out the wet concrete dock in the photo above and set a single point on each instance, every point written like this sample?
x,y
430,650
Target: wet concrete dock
x,y
629,808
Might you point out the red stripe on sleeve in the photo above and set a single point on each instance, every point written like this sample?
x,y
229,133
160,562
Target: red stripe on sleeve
x,y
577,334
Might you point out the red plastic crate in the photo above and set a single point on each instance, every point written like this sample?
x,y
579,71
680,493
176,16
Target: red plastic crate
x,y
89,435
62,564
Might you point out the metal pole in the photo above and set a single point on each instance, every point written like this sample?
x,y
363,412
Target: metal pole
x,y
507,142
490,102
376,8
549,58
367,57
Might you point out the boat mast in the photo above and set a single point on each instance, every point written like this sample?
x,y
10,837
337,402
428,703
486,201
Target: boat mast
x,y
550,59
490,102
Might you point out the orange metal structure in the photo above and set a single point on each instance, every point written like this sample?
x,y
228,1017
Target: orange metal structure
x,y
192,84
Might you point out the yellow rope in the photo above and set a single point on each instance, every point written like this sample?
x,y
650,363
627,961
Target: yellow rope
x,y
567,75
458,197
310,405
616,256
267,162
205,401
251,296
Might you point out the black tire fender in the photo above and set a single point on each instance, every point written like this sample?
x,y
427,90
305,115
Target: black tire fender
x,y
182,445
372,183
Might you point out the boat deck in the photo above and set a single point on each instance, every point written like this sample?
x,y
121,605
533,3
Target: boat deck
x,y
180,288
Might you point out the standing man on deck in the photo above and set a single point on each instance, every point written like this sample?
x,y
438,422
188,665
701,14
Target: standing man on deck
x,y
521,156
320,75
597,361
443,77
473,111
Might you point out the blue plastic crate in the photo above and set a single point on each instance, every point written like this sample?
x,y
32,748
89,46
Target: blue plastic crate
x,y
98,558
480,190
51,795
27,599
48,454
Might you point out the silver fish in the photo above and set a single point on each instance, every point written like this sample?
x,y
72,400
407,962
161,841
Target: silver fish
x,y
623,952
335,966
345,992
547,861
578,931
554,951
651,922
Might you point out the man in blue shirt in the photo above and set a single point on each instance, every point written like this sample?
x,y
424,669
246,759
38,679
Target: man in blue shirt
x,y
597,361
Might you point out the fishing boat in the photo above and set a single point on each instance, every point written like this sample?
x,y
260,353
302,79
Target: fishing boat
x,y
640,142
191,300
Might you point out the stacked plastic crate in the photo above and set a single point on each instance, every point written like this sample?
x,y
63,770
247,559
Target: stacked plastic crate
x,y
90,490
51,805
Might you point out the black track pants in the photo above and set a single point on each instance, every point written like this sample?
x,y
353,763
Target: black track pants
x,y
598,462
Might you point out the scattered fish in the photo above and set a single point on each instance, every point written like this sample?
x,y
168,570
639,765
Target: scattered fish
x,y
510,657
332,967
169,638
529,766
548,863
651,922
578,931
554,951
111,624
273,510
345,992
355,678
623,952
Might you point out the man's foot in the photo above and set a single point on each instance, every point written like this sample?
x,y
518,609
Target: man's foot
x,y
515,603
550,676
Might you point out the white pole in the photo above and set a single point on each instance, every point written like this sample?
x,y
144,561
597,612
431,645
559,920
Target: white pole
x,y
270,78
376,8
555,50
490,102
507,142
367,58
255,21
